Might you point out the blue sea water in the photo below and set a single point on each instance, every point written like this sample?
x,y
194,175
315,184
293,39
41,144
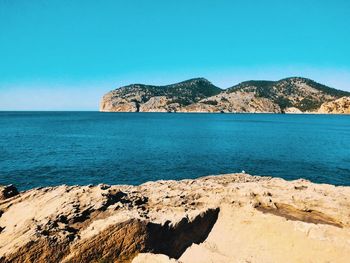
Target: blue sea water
x,y
52,148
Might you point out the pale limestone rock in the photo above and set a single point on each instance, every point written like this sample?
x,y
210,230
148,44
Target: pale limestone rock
x,y
109,103
154,258
292,110
235,102
227,218
159,104
339,106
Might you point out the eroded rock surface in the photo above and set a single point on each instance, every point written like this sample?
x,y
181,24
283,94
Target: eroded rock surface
x,y
227,218
339,106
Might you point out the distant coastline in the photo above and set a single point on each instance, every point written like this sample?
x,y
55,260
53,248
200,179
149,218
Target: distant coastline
x,y
290,95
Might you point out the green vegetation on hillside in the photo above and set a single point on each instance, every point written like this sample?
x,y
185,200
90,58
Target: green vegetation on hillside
x,y
289,92
184,93
281,92
326,89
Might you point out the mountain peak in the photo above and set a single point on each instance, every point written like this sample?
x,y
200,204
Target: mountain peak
x,y
195,81
295,78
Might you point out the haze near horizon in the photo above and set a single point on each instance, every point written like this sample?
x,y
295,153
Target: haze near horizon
x,y
63,55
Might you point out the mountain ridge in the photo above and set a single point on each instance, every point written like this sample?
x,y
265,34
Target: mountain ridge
x,y
288,95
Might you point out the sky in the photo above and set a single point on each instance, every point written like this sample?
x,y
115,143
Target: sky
x,y
65,54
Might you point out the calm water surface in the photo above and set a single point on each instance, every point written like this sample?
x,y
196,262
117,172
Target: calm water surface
x,y
52,148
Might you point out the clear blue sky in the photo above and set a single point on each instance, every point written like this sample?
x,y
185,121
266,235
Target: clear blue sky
x,y
65,54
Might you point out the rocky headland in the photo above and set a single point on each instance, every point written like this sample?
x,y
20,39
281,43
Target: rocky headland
x,y
290,95
226,218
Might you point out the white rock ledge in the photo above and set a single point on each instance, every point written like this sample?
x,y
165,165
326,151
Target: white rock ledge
x,y
226,218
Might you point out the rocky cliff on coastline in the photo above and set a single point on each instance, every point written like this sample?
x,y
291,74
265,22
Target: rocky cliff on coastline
x,y
290,95
339,106
227,218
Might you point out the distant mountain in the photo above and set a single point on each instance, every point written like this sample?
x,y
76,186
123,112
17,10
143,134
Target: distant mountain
x,y
140,97
290,95
304,94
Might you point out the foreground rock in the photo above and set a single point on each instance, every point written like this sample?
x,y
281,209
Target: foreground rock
x,y
228,218
290,95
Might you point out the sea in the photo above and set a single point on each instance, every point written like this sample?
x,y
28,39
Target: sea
x,y
78,148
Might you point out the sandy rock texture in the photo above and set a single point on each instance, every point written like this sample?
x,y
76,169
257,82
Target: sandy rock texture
x,y
234,102
339,106
226,218
292,110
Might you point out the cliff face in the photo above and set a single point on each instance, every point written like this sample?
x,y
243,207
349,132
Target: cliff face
x,y
341,105
291,95
227,218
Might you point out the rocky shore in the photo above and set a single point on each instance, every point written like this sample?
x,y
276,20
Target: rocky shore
x,y
226,218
